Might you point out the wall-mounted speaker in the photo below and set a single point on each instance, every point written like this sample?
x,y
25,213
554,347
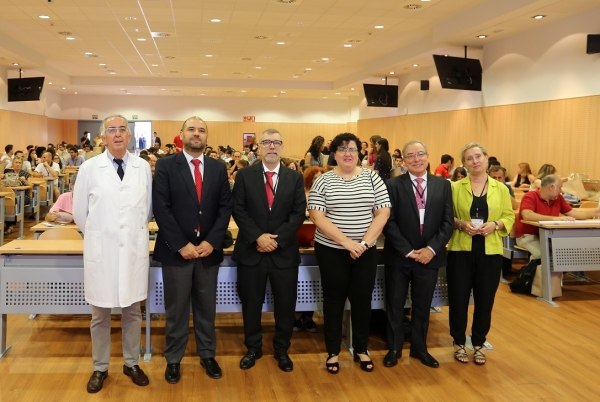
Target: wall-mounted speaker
x,y
424,85
593,44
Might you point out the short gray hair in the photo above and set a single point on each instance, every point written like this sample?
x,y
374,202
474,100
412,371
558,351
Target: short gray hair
x,y
549,180
412,142
269,131
103,129
469,146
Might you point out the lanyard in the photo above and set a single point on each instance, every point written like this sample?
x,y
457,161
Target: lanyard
x,y
421,194
273,189
476,199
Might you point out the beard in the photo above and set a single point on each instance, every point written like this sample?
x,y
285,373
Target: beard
x,y
198,147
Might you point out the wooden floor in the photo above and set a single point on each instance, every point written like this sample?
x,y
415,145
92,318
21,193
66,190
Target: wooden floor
x,y
540,353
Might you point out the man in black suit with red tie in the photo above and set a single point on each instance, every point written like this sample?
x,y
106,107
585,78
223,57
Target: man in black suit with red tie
x,y
269,207
420,224
192,206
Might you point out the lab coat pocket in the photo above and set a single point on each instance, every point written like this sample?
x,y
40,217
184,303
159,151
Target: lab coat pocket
x,y
92,246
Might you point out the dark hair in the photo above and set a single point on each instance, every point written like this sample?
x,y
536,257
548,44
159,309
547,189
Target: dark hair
x,y
145,157
458,170
72,148
243,162
496,168
29,147
384,154
341,138
39,151
59,161
446,158
399,152
18,151
315,147
29,158
8,148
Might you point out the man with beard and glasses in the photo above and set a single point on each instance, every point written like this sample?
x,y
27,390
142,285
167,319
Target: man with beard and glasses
x,y
192,206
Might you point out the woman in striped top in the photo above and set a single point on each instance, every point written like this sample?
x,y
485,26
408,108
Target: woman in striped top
x,y
350,206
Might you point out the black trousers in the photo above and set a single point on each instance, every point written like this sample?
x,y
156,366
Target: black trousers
x,y
397,281
344,278
252,283
472,270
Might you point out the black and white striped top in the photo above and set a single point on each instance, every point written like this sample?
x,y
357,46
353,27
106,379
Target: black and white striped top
x,y
348,204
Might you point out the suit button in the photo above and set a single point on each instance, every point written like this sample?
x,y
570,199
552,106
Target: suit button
x,y
200,213
195,230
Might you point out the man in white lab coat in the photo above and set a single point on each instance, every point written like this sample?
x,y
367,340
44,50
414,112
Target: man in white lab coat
x,y
112,204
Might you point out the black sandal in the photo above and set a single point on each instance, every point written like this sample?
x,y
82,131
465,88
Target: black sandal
x,y
478,355
460,353
332,366
364,364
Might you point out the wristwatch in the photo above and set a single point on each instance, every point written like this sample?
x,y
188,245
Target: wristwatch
x,y
497,226
364,243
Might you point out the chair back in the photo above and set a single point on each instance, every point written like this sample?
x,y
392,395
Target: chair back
x,y
9,201
60,234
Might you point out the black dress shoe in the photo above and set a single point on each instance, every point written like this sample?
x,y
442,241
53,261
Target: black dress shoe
x,y
137,375
285,363
250,359
391,359
172,374
426,359
95,383
212,367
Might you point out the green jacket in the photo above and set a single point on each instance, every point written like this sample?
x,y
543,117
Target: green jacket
x,y
499,209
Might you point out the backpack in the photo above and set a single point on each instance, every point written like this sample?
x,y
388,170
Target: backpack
x,y
525,279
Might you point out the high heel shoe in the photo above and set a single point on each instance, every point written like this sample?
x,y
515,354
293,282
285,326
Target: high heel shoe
x,y
333,368
364,364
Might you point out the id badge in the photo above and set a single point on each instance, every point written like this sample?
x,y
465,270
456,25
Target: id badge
x,y
477,222
422,216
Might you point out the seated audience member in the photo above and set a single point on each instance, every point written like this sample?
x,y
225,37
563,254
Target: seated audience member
x,y
32,158
87,149
364,151
459,173
145,157
237,156
62,210
17,167
170,149
48,168
157,149
499,173
544,171
152,161
74,159
242,163
524,177
399,168
249,154
383,162
56,159
545,204
444,168
213,154
26,164
314,155
289,163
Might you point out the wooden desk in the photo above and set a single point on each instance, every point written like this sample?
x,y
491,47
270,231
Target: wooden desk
x,y
41,228
567,247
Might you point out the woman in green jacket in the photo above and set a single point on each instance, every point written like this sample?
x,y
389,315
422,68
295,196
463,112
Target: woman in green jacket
x,y
482,215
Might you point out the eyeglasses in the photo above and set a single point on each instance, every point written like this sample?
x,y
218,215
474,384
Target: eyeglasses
x,y
343,150
113,130
476,158
268,143
417,155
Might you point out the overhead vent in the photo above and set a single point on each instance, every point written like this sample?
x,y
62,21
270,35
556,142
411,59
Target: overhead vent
x,y
263,37
65,33
170,57
161,34
412,6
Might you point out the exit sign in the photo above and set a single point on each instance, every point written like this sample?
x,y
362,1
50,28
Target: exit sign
x,y
94,117
249,118
134,117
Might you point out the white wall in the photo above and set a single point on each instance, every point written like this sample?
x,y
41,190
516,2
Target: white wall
x,y
547,63
411,100
209,108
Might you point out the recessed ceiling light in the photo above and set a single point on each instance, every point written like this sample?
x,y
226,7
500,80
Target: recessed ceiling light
x,y
163,89
352,89
282,92
121,89
243,90
308,69
155,65
383,79
44,17
325,58
204,74
415,65
141,39
274,96
130,18
337,93
539,17
324,97
281,43
425,0
347,45
445,55
15,64
215,20
294,76
148,54
379,27
258,67
208,55
70,38
64,88
89,53
75,93
112,72
391,72
102,64
49,83
482,36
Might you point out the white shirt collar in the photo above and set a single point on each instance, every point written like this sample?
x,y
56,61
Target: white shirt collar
x,y
189,157
111,158
276,170
413,177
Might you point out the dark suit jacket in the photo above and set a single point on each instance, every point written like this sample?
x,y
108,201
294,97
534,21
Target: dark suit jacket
x,y
402,231
253,217
178,213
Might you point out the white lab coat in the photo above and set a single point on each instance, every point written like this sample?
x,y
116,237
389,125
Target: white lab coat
x,y
113,215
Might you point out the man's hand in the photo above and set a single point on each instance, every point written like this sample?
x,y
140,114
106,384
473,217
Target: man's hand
x,y
565,218
204,249
266,243
415,254
425,255
189,251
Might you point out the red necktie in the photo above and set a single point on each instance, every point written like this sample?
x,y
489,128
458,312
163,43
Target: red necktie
x,y
198,178
269,187
420,199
